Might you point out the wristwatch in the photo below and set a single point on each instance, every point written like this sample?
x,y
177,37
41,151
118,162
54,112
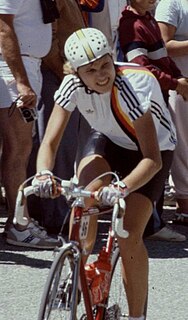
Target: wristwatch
x,y
122,187
120,184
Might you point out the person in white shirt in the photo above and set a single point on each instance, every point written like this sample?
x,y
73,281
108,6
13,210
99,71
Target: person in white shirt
x,y
111,15
24,40
172,17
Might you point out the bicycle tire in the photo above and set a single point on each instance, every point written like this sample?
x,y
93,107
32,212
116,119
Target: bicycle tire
x,y
118,310
59,299
116,306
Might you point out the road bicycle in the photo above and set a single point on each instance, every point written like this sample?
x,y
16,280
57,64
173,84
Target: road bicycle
x,y
68,294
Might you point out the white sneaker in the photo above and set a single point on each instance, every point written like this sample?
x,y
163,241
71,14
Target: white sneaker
x,y
167,234
34,236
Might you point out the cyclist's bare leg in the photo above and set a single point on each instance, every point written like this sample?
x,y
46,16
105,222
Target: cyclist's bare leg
x,y
89,168
134,254
17,144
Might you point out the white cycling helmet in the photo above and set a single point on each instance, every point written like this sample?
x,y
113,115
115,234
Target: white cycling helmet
x,y
86,45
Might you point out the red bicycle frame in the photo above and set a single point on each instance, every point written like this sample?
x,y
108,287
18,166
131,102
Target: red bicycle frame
x,y
78,211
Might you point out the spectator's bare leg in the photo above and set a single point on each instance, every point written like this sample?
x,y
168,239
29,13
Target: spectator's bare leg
x,y
17,143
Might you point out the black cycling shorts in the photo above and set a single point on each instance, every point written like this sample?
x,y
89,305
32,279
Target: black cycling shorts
x,y
123,161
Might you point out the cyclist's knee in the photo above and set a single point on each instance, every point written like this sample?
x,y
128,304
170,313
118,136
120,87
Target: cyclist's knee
x,y
92,166
133,242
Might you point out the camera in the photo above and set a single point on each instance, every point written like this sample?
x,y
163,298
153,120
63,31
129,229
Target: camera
x,y
49,10
28,115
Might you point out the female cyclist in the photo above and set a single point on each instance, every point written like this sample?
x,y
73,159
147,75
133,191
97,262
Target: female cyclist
x,y
132,133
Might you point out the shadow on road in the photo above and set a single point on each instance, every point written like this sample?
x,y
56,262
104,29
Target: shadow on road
x,y
167,250
13,255
12,258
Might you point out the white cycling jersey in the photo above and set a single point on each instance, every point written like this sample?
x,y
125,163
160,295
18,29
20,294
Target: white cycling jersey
x,y
135,90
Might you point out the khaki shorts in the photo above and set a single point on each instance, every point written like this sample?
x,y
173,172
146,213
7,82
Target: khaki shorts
x,y
8,89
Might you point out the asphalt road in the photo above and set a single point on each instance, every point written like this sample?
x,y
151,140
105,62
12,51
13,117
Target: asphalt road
x,y
23,273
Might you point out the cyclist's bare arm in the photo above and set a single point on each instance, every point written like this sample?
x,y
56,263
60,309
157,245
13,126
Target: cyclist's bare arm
x,y
151,162
53,135
11,53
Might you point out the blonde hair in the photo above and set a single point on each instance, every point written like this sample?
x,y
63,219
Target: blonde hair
x,y
68,69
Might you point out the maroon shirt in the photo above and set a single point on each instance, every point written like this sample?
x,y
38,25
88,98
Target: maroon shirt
x,y
142,43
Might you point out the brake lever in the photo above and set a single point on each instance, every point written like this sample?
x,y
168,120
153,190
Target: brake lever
x,y
119,219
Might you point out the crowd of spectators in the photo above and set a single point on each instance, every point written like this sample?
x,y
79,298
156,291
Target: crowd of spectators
x,y
31,69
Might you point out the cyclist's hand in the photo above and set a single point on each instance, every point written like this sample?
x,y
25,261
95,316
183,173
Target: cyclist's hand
x,y
108,195
45,186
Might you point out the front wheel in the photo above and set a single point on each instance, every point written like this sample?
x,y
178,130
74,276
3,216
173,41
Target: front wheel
x,y
116,303
59,299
